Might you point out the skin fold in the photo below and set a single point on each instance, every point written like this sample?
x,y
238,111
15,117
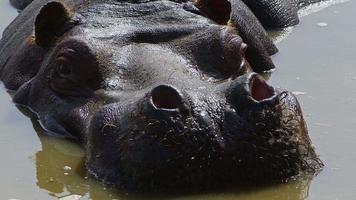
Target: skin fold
x,y
163,95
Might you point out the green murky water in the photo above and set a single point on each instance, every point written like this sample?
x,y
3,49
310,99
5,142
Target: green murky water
x,y
317,61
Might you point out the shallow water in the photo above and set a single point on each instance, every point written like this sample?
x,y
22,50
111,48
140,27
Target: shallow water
x,y
316,61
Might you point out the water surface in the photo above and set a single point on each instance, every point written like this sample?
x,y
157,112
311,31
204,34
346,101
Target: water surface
x,y
316,60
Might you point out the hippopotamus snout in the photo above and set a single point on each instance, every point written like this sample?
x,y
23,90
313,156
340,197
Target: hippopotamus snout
x,y
167,134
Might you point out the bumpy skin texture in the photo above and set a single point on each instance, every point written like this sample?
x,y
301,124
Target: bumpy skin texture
x,y
161,95
277,13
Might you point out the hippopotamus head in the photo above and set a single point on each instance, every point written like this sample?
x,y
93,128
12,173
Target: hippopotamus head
x,y
161,96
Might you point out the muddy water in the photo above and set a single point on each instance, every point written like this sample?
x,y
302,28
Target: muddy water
x,y
316,61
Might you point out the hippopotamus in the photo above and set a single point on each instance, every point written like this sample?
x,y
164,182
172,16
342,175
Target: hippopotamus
x,y
164,95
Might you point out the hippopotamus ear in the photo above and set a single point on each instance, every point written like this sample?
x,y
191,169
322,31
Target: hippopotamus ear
x,y
236,14
51,23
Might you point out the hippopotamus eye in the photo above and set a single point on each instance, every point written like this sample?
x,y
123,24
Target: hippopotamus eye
x,y
64,62
64,70
75,73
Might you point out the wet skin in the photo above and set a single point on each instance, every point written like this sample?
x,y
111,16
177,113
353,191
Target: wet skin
x,y
161,94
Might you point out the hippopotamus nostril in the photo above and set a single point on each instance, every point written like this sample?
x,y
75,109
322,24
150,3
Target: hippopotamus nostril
x,y
250,89
166,97
259,89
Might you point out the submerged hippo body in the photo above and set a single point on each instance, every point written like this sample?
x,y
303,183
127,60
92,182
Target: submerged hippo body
x,y
160,93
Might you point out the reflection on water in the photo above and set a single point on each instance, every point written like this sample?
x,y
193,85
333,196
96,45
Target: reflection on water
x,y
60,169
35,166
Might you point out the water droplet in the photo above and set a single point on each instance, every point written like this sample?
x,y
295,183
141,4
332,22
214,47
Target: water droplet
x,y
71,197
203,113
67,168
297,93
322,24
